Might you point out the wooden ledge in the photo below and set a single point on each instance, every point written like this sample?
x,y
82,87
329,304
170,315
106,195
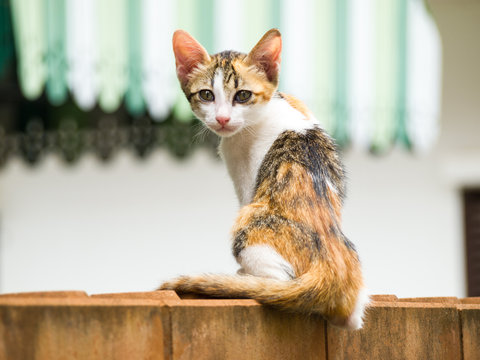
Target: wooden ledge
x,y
162,325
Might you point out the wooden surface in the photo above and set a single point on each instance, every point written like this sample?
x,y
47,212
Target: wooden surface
x,y
160,325
408,331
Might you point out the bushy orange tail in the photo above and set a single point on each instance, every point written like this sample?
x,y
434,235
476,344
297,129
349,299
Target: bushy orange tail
x,y
305,294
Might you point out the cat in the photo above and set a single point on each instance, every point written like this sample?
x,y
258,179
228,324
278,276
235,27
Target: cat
x,y
289,181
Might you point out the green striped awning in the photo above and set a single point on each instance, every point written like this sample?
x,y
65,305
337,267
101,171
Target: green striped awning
x,y
368,69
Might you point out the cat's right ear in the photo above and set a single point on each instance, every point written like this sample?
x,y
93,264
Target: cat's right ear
x,y
188,54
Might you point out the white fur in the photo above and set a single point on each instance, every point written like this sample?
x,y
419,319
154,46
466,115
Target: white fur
x,y
331,186
244,151
355,321
264,261
222,106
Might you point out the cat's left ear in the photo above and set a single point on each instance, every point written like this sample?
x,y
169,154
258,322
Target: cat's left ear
x,y
188,54
266,54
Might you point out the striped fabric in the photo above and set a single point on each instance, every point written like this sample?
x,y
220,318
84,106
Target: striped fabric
x,y
28,17
56,84
82,52
6,43
369,69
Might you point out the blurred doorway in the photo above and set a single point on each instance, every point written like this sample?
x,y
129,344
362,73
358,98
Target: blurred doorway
x,y
471,201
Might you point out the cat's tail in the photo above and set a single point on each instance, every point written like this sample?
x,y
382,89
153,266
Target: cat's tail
x,y
305,294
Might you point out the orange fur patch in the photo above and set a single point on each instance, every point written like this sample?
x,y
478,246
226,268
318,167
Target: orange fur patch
x,y
255,81
297,105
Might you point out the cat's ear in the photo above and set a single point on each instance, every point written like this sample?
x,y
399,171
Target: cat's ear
x,y
188,54
266,54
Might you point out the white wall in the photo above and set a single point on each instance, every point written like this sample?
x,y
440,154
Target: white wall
x,y
117,227
127,225
405,217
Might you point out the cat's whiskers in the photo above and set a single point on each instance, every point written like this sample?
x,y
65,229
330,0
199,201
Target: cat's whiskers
x,y
201,132
251,131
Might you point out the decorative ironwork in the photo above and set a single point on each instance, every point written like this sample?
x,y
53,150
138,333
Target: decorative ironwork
x,y
33,129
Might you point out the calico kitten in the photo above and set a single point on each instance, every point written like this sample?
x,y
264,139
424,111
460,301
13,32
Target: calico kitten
x,y
289,181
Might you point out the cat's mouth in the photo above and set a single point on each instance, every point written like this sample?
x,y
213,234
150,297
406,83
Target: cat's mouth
x,y
225,130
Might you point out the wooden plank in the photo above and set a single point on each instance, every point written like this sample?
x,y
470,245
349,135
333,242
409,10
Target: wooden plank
x,y
434,300
46,294
41,329
242,329
470,317
153,295
403,331
470,300
383,297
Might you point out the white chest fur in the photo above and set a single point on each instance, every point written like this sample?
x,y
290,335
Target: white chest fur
x,y
243,152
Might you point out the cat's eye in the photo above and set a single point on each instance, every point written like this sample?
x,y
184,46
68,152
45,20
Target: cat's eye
x,y
243,96
206,95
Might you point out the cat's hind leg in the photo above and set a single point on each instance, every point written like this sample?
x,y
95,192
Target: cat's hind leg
x,y
355,320
262,260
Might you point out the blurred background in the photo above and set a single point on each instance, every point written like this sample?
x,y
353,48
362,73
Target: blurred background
x,y
107,186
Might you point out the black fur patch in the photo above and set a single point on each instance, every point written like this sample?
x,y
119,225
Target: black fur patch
x,y
339,234
349,244
239,241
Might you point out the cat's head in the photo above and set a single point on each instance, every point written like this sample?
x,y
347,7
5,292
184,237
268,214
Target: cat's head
x,y
225,90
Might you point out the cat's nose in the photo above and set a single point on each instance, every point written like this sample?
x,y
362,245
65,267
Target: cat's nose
x,y
222,120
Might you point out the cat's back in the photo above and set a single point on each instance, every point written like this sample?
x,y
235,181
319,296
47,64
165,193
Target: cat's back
x,y
312,153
